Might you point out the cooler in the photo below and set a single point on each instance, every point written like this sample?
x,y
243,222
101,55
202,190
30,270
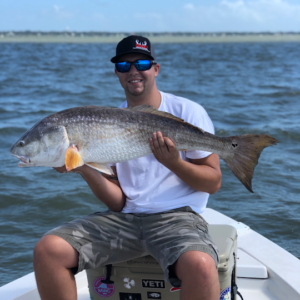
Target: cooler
x,y
143,278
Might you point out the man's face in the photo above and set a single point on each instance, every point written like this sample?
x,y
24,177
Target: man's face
x,y
134,82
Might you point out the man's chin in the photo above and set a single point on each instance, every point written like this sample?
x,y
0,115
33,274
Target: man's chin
x,y
136,93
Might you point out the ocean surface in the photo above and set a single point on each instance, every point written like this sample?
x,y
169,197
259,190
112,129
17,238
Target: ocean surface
x,y
245,87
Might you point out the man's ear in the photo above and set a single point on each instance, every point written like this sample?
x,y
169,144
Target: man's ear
x,y
116,71
156,69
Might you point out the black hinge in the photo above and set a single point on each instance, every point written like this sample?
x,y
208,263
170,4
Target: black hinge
x,y
108,274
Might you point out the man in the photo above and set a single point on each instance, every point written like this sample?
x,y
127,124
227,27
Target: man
x,y
150,200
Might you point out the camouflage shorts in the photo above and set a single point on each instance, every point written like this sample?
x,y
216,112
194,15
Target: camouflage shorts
x,y
110,237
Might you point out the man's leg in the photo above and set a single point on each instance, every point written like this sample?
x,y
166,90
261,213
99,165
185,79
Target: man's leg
x,y
53,260
89,242
180,238
199,277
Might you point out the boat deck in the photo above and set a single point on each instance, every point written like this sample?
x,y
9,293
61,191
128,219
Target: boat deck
x,y
265,271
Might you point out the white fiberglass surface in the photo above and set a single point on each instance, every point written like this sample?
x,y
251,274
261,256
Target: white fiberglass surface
x,y
249,267
282,270
255,289
251,289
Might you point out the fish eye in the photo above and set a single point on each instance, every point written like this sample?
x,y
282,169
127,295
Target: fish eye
x,y
21,143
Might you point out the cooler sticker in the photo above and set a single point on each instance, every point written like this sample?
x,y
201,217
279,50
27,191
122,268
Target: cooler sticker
x,y
225,295
174,289
153,295
141,45
152,283
129,283
130,296
103,289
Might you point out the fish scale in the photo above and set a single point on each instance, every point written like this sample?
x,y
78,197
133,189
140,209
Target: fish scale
x,y
99,136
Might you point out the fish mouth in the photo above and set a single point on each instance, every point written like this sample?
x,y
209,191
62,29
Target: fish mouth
x,y
24,159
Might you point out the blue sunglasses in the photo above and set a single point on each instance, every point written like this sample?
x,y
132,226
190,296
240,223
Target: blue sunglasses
x,y
140,64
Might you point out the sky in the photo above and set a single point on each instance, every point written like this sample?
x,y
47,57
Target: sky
x,y
150,16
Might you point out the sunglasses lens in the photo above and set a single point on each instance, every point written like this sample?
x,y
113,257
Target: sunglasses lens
x,y
143,65
123,66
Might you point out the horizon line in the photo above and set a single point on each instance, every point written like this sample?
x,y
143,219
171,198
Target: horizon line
x,y
151,32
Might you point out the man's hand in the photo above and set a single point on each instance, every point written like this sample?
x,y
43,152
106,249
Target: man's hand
x,y
201,174
164,150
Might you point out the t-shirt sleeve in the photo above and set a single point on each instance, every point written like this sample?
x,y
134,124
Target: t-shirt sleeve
x,y
200,118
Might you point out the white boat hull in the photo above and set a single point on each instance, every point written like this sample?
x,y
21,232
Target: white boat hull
x,y
265,271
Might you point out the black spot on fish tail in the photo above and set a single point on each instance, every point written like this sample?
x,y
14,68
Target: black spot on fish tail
x,y
244,155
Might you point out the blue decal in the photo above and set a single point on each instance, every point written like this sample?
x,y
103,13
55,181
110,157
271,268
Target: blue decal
x,y
225,295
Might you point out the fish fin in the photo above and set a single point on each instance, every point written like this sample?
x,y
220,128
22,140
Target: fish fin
x,y
151,110
24,165
244,155
73,158
101,168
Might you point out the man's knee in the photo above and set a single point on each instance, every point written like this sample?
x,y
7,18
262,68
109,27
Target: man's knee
x,y
196,265
53,249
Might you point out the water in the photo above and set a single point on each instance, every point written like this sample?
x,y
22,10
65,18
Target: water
x,y
246,88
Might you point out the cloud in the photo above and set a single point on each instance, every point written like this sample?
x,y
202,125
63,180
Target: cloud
x,y
225,15
243,15
100,3
148,16
262,10
189,6
57,8
188,15
60,12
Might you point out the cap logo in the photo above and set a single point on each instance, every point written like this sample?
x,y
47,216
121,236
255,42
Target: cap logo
x,y
141,45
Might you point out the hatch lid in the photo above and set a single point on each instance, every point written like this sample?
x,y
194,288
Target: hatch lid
x,y
249,267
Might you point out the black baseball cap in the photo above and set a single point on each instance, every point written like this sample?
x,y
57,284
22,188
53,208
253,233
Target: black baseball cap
x,y
133,44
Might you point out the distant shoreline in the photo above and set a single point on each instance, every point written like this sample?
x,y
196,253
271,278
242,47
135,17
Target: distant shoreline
x,y
70,37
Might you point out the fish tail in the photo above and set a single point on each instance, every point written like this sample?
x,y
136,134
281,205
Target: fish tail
x,y
244,155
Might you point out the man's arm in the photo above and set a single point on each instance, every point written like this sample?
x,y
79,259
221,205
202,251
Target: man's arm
x,y
201,174
105,187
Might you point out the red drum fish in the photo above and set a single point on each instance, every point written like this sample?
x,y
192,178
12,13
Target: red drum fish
x,y
99,136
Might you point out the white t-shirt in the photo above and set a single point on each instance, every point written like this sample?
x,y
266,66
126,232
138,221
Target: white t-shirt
x,y
149,186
